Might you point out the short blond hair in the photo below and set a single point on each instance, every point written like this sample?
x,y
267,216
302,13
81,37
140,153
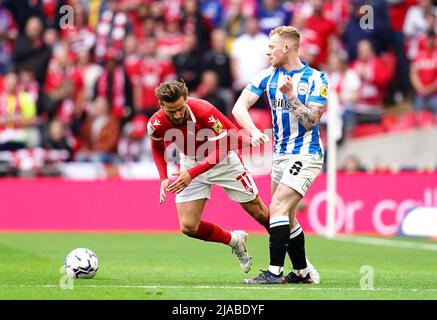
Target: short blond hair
x,y
288,32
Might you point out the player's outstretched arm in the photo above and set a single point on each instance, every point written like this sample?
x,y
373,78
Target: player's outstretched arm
x,y
240,111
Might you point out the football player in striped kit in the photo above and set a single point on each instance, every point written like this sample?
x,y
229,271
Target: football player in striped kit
x,y
297,96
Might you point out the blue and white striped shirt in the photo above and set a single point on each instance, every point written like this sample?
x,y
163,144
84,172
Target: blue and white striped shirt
x,y
309,85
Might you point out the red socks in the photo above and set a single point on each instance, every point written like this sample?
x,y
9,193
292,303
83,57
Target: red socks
x,y
208,231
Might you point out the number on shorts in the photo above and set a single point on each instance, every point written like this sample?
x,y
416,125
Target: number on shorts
x,y
295,169
245,181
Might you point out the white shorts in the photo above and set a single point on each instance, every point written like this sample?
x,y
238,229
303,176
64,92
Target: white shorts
x,y
297,171
230,174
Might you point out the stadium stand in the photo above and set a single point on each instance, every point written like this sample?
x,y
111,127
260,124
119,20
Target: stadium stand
x,y
53,68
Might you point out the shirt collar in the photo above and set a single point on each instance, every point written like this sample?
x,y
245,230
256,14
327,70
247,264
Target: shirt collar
x,y
191,114
292,72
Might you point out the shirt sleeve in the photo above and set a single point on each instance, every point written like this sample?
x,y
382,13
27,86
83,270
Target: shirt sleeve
x,y
157,147
319,89
258,84
154,129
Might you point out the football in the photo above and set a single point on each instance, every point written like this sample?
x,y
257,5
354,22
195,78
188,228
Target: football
x,y
81,263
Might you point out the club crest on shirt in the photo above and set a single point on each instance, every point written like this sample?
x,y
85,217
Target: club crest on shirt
x,y
217,127
302,88
324,91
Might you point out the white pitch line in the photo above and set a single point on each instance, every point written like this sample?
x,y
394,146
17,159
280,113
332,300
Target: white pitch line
x,y
387,242
267,287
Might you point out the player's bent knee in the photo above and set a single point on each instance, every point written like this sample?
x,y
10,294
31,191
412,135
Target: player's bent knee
x,y
189,229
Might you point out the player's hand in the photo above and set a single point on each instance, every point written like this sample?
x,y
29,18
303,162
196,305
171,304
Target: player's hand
x,y
286,86
181,182
258,138
162,192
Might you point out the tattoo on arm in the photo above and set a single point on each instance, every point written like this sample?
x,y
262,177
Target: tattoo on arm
x,y
307,116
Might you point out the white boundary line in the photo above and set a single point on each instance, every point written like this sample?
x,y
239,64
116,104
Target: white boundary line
x,y
266,287
387,242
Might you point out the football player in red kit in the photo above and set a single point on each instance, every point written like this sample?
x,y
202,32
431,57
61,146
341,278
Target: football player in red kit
x,y
204,138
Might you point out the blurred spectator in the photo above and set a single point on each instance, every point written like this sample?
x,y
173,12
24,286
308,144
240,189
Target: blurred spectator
x,y
249,54
352,165
271,14
424,75
346,83
194,22
131,55
52,13
55,137
150,28
416,24
208,89
94,9
17,117
99,134
325,32
150,72
28,83
134,144
374,74
162,12
5,55
89,72
188,63
310,44
301,8
431,20
8,33
218,60
247,8
378,34
213,11
138,16
114,85
80,36
397,12
236,13
23,10
8,27
337,11
171,40
113,26
30,50
52,40
63,88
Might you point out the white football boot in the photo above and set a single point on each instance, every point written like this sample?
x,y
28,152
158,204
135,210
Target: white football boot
x,y
314,274
240,250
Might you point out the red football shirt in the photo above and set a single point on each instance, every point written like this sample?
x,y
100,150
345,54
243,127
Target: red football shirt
x,y
205,124
426,66
149,74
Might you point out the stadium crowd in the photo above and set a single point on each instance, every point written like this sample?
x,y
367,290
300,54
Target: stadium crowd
x,y
77,83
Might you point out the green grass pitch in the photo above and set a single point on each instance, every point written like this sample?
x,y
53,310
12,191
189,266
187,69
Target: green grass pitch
x,y
173,266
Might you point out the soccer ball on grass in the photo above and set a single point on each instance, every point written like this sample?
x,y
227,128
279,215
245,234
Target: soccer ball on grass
x,y
81,263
